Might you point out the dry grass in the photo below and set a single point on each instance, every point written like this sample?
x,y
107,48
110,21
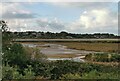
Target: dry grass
x,y
102,47
33,42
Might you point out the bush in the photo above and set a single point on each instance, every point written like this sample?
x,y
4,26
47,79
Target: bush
x,y
15,54
9,73
99,75
35,54
71,76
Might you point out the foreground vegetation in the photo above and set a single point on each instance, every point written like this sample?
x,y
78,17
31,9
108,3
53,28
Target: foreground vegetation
x,y
15,67
61,70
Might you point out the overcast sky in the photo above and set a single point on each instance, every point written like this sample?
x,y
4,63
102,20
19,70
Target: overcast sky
x,y
74,17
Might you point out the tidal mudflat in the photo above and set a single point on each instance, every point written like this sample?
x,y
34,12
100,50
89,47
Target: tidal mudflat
x,y
60,52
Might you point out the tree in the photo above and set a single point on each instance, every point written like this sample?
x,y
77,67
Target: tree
x,y
6,37
3,25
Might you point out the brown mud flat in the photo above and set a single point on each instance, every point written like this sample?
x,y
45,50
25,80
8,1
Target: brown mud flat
x,y
64,55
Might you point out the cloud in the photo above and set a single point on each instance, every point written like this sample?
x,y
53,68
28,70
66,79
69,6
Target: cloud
x,y
19,24
95,20
14,11
53,24
85,5
40,24
17,15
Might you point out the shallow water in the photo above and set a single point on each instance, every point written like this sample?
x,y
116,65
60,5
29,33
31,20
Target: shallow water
x,y
76,59
60,49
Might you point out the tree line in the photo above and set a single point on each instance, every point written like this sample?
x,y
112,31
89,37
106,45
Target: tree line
x,y
61,35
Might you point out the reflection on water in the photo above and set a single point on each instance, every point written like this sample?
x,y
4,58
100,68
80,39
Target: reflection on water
x,y
76,59
60,49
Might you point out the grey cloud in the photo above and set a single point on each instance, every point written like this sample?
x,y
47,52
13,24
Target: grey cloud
x,y
10,15
15,11
56,26
50,25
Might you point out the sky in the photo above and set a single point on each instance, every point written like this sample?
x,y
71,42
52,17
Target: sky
x,y
73,17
